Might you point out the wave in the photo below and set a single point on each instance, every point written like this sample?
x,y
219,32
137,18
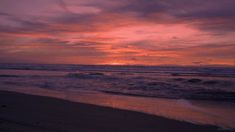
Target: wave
x,y
128,81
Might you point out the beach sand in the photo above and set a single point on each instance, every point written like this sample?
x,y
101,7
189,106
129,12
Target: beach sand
x,y
29,113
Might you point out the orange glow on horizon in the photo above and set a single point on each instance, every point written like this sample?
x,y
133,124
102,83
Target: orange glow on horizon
x,y
114,63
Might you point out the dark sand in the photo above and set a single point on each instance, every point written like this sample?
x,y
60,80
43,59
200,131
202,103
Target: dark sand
x,y
28,113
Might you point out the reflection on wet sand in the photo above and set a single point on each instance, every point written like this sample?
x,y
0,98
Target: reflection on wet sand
x,y
221,114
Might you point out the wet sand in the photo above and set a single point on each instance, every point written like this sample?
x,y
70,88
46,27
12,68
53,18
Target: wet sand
x,y
29,113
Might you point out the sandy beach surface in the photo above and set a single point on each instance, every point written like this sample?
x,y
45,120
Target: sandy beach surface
x,y
28,113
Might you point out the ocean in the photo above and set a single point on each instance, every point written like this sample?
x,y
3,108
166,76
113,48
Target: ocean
x,y
169,91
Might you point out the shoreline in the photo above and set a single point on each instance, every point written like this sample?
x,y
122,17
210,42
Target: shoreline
x,y
198,113
22,112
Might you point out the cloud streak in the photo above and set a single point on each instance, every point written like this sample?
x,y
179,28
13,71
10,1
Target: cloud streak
x,y
152,32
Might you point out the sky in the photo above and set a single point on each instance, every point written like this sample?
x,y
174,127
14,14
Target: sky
x,y
118,32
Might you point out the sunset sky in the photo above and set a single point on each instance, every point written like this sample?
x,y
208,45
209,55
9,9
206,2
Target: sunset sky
x,y
128,32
